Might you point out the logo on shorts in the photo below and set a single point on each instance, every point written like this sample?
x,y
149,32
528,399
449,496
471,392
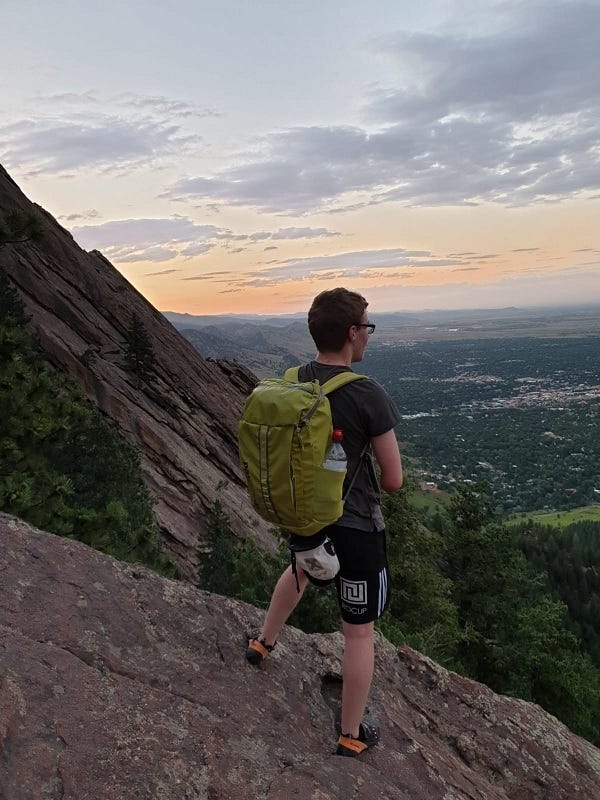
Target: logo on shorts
x,y
354,592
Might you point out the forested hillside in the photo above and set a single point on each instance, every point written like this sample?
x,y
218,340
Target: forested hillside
x,y
571,557
63,467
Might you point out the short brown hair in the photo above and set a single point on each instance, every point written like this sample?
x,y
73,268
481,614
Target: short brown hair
x,y
331,314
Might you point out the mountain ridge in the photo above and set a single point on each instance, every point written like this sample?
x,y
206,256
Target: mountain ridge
x,y
264,337
80,308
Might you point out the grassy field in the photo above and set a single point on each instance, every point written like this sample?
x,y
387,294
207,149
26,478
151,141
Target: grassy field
x,y
561,518
428,502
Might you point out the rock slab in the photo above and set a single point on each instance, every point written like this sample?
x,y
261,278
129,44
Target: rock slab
x,y
118,684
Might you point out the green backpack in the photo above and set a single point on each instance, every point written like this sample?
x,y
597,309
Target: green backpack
x,y
284,433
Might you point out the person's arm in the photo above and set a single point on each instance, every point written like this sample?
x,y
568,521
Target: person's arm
x,y
387,454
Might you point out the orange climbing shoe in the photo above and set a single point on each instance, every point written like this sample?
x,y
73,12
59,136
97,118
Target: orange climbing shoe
x,y
257,651
368,736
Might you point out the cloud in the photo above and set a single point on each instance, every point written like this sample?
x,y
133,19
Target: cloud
x,y
303,233
69,132
133,240
293,233
363,263
67,98
162,272
54,145
281,233
508,115
295,179
217,274
353,261
387,275
156,253
485,257
197,249
91,214
386,264
230,291
165,106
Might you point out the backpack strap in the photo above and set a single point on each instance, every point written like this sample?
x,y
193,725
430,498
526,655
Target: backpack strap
x,y
341,380
361,461
293,373
330,386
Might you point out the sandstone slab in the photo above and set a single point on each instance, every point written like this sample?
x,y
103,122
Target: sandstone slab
x,y
118,684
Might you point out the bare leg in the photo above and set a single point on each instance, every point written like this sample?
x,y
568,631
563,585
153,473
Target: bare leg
x,y
284,600
357,674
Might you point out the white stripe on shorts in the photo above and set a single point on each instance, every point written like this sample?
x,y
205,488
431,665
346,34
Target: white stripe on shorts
x,y
383,591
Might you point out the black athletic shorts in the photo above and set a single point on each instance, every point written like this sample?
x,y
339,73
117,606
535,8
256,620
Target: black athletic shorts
x,y
363,580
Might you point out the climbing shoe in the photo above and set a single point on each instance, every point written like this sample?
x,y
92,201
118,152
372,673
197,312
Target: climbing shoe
x,y
257,651
348,745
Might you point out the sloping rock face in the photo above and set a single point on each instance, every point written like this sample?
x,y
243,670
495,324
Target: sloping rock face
x,y
183,422
118,684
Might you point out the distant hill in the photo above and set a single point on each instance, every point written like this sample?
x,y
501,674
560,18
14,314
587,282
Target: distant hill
x,y
265,347
269,344
201,320
262,360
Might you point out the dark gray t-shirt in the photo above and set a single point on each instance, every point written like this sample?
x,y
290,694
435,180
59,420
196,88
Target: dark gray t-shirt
x,y
362,409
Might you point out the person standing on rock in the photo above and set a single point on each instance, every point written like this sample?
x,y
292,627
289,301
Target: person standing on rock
x,y
340,328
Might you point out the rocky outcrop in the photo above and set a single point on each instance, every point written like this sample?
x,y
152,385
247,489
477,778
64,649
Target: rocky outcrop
x,y
183,421
116,683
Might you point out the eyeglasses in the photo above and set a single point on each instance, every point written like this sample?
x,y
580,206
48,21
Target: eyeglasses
x,y
370,326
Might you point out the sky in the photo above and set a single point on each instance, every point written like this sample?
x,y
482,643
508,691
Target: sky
x,y
235,157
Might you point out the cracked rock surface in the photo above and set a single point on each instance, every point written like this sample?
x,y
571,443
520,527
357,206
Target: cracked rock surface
x,y
118,684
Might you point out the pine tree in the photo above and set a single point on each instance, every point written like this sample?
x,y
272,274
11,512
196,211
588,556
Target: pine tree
x,y
216,561
139,356
10,302
18,227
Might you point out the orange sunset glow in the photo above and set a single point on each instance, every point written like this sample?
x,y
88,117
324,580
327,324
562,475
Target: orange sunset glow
x,y
445,156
